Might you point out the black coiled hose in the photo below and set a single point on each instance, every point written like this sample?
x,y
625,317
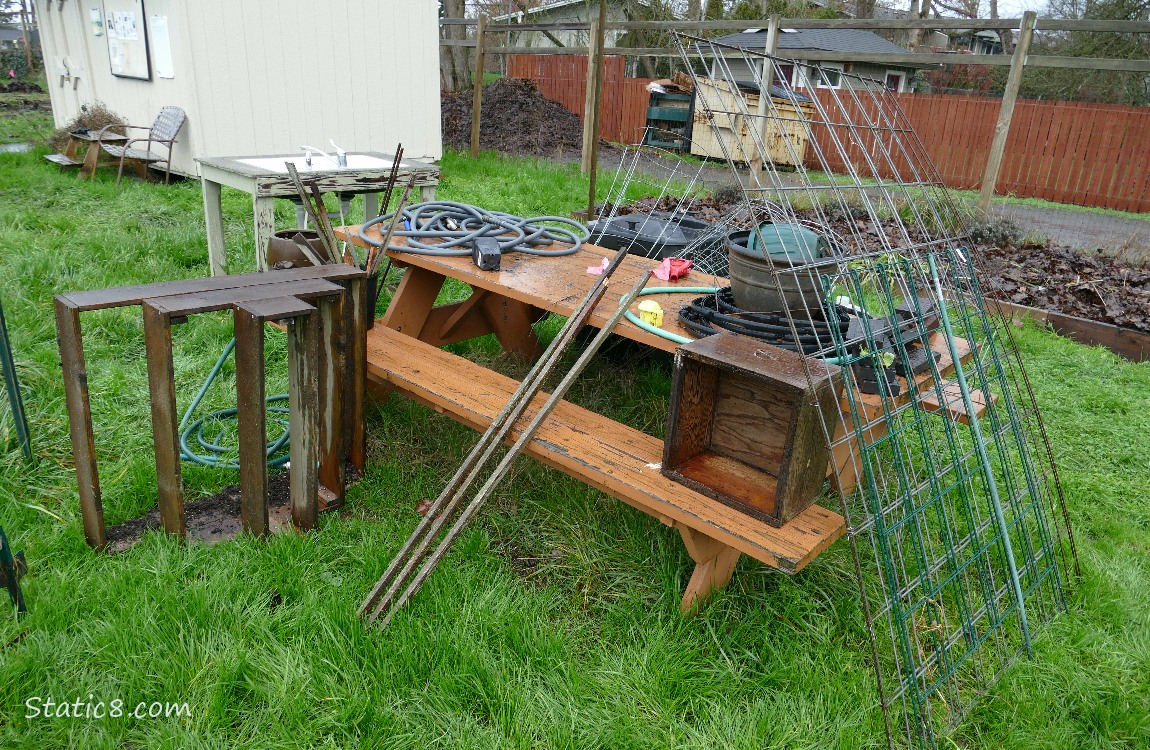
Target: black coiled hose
x,y
706,315
447,228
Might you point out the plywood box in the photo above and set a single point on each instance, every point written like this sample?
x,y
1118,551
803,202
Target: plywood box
x,y
747,425
785,138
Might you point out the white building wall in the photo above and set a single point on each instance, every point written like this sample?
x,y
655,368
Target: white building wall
x,y
265,76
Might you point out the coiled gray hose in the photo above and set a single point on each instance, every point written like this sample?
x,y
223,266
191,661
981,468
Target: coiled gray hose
x,y
447,228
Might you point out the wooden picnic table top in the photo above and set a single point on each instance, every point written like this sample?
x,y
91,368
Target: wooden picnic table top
x,y
557,284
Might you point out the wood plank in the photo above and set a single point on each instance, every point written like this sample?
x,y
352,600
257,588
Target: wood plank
x,y
303,418
71,343
98,299
953,404
614,458
251,417
165,420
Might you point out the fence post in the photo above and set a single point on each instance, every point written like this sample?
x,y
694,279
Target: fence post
x,y
1006,113
594,86
477,84
772,46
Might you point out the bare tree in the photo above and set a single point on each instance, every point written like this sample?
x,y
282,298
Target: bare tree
x,y
454,62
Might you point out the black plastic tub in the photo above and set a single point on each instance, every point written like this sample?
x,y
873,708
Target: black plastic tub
x,y
655,235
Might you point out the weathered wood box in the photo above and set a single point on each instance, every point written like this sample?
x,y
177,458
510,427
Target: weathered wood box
x,y
747,425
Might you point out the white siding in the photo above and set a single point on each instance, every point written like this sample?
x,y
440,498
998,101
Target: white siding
x,y
265,76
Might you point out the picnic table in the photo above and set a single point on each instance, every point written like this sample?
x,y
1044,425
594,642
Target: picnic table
x,y
91,141
404,354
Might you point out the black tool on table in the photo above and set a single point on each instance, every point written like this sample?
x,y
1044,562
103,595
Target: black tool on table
x,y
486,254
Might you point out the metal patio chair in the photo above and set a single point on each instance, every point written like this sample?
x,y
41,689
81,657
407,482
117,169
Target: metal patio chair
x,y
162,133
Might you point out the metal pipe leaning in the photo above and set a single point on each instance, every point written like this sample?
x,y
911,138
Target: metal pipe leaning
x,y
500,470
444,506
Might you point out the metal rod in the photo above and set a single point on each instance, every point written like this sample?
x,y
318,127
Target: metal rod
x,y
385,201
435,517
313,212
524,439
12,384
984,458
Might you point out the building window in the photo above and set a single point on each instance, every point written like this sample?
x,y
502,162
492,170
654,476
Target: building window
x,y
784,75
828,75
895,81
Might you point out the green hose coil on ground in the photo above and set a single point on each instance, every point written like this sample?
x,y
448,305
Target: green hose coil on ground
x,y
216,455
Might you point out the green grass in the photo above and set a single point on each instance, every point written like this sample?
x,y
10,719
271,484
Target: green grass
x,y
555,621
18,125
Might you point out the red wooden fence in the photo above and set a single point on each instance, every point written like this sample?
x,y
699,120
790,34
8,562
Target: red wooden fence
x,y
622,106
1066,152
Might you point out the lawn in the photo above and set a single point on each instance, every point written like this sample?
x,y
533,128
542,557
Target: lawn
x,y
555,621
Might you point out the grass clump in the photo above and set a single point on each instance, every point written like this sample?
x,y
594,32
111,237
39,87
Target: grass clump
x,y
94,116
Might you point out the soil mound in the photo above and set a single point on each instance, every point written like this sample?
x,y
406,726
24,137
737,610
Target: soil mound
x,y
21,87
516,119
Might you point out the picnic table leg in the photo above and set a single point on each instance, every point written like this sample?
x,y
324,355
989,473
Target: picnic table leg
x,y
413,301
512,322
214,223
714,564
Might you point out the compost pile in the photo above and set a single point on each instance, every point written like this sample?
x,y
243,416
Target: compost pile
x,y
516,119
1046,276
21,87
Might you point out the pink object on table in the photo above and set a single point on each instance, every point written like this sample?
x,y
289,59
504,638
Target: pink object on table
x,y
672,269
599,269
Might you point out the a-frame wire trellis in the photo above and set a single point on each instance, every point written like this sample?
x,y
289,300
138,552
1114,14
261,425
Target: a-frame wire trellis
x,y
956,519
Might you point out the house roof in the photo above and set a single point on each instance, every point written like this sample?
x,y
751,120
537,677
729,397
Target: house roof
x,y
553,5
827,40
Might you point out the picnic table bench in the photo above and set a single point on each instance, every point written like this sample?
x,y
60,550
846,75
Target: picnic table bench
x,y
404,354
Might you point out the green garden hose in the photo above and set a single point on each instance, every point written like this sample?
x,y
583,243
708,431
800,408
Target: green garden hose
x,y
220,456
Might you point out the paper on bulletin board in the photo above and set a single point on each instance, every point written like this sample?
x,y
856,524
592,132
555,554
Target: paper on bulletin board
x,y
161,47
127,39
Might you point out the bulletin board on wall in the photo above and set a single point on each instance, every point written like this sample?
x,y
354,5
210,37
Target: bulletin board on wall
x,y
127,32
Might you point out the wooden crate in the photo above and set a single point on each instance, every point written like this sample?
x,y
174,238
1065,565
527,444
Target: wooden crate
x,y
786,139
747,425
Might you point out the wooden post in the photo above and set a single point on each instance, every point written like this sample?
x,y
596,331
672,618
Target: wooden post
x,y
27,37
165,419
250,406
771,47
304,418
80,419
1006,113
594,88
477,85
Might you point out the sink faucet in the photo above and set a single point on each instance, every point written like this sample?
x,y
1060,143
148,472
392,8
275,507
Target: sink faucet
x,y
340,154
308,150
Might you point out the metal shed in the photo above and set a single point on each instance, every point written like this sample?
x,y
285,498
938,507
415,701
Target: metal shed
x,y
261,76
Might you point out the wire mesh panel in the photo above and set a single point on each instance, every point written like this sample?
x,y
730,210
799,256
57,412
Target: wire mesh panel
x,y
851,241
